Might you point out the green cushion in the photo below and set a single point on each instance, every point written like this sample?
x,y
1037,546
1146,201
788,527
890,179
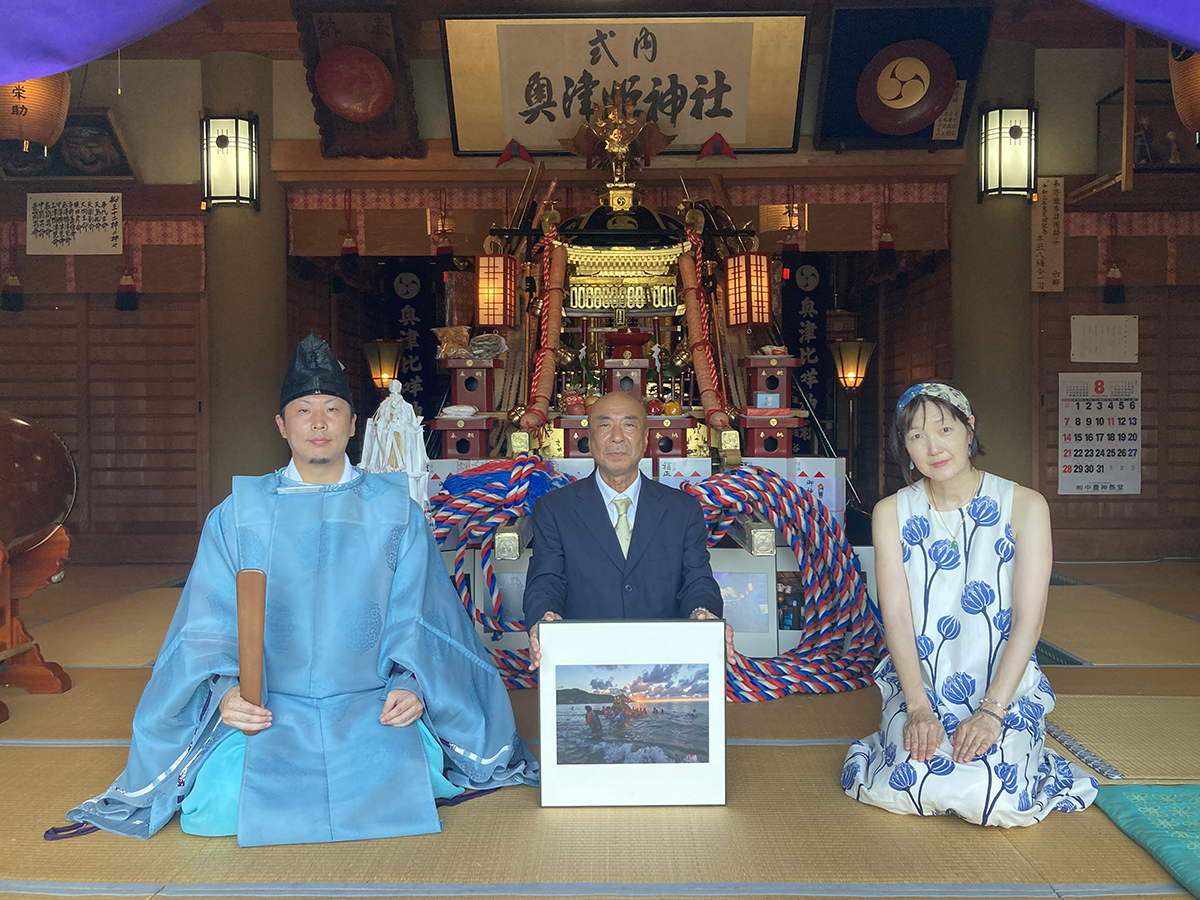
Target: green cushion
x,y
1165,820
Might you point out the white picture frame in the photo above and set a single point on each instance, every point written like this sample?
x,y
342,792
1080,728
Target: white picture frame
x,y
749,592
662,746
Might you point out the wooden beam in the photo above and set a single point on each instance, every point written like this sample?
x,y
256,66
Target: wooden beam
x,y
138,201
295,161
1128,103
212,19
1094,186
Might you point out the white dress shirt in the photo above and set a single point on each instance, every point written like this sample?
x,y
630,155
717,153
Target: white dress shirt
x,y
349,473
632,492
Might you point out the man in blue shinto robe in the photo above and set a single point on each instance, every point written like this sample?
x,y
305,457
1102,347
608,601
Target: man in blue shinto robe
x,y
364,636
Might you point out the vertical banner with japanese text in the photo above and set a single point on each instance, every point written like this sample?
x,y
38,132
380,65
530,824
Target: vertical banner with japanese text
x,y
410,289
807,294
1046,240
1099,433
73,224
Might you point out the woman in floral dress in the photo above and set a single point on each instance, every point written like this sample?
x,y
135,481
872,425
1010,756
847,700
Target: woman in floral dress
x,y
962,561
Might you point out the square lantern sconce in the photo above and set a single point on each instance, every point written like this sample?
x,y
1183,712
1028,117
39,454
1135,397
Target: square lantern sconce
x,y
1008,151
229,160
748,289
496,304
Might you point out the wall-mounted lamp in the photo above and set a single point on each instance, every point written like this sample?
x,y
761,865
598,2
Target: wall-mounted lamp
x,y
1008,151
748,289
229,160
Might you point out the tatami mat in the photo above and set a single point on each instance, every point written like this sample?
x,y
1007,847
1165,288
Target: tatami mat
x,y
787,820
1125,681
1152,740
848,715
131,578
99,706
1166,572
125,632
1183,599
54,602
1107,629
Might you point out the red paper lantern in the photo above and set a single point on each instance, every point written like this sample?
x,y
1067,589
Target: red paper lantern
x,y
354,83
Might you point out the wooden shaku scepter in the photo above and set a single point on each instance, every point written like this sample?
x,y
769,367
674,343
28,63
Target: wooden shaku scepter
x,y
251,615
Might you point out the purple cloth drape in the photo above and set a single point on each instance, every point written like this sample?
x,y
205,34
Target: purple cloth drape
x,y
1176,20
43,37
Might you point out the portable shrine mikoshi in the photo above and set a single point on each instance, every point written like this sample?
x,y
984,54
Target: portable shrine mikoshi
x,y
679,313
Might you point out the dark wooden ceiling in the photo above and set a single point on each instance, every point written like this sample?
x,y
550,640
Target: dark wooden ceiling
x,y
267,27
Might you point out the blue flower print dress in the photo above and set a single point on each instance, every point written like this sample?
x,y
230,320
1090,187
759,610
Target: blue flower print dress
x,y
961,594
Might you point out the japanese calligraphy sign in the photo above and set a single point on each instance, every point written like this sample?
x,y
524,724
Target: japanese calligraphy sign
x,y
1107,339
1099,433
807,294
73,224
411,286
538,80
1047,239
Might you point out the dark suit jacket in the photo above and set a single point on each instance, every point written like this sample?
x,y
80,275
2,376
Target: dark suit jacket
x,y
577,569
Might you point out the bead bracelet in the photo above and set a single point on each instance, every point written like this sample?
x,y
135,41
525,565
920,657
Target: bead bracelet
x,y
988,712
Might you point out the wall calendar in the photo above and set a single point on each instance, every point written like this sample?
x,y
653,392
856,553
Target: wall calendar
x,y
1099,433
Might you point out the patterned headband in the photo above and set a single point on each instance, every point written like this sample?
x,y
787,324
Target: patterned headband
x,y
951,395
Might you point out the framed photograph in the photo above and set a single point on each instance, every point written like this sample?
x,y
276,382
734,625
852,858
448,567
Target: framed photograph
x,y
632,713
537,79
748,593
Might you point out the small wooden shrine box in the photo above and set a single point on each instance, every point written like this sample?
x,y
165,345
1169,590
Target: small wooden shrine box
x,y
769,381
465,438
575,436
769,436
472,382
627,375
668,436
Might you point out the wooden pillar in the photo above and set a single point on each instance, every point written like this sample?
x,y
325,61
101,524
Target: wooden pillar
x,y
990,283
246,279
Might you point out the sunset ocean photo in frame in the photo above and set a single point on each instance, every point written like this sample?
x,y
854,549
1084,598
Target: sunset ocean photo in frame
x,y
632,713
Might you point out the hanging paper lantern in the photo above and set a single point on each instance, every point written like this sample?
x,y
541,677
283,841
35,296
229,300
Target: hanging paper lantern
x,y
34,111
1184,65
748,289
354,83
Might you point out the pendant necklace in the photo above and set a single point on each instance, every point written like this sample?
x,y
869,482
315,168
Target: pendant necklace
x,y
962,519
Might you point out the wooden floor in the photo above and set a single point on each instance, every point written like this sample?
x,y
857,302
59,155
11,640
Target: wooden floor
x,y
787,830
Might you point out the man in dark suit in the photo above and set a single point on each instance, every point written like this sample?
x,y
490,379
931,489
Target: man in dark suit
x,y
615,545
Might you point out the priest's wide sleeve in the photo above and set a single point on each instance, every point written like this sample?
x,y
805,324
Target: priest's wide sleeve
x,y
430,636
177,723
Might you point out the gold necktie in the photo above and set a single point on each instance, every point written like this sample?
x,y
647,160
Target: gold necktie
x,y
624,529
